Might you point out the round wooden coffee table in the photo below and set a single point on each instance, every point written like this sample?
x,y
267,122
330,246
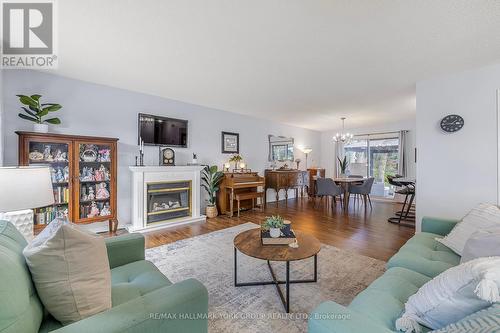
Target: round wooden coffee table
x,y
249,243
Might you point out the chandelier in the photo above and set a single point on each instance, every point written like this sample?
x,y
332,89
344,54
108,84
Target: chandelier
x,y
343,136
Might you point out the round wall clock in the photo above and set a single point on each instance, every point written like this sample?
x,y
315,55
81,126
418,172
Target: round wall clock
x,y
452,123
167,156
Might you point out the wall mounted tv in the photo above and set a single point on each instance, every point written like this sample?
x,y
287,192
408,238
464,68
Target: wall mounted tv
x,y
162,131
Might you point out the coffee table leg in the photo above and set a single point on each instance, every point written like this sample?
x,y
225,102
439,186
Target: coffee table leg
x,y
315,279
235,268
287,287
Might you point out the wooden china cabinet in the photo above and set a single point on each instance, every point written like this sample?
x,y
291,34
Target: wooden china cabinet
x,y
84,176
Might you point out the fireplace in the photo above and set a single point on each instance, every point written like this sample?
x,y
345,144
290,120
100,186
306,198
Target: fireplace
x,y
168,201
165,196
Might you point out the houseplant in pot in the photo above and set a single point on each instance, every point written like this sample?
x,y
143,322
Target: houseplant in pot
x,y
37,112
274,224
236,158
343,164
211,179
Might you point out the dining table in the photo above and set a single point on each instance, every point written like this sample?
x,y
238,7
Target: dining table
x,y
344,182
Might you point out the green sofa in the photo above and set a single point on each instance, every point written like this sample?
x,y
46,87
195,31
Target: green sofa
x,y
143,299
376,309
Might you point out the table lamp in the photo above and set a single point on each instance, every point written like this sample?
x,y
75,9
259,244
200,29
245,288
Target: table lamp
x,y
25,188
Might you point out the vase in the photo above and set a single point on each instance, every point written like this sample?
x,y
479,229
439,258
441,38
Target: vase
x,y
342,175
275,232
211,211
41,128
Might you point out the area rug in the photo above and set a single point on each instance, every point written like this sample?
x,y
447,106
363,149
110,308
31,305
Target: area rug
x,y
209,258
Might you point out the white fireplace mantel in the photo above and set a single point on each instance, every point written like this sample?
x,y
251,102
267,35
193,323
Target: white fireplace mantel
x,y
141,176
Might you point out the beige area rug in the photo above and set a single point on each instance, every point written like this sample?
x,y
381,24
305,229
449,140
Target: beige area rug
x,y
209,258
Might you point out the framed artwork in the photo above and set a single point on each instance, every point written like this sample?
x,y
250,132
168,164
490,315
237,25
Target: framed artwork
x,y
230,143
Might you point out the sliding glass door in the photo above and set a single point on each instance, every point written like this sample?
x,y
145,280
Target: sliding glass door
x,y
375,156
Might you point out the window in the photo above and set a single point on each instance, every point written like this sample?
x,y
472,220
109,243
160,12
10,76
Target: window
x,y
375,156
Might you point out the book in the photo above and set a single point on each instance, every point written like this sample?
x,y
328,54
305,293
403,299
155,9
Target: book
x,y
266,238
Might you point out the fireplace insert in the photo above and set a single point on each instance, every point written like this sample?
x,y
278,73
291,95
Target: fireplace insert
x,y
168,201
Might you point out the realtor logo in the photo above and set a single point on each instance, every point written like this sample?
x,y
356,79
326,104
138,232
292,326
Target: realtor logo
x,y
28,34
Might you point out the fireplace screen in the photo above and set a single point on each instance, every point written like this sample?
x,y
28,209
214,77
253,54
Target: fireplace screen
x,y
168,200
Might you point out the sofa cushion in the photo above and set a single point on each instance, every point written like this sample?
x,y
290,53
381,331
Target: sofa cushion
x,y
423,254
20,307
487,320
484,216
134,280
454,294
383,301
70,270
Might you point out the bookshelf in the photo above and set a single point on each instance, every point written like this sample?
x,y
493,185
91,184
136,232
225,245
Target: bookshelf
x,y
84,176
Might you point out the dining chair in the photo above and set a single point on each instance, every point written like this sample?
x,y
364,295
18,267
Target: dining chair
x,y
327,187
363,190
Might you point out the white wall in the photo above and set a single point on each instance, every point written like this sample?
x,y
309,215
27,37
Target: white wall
x,y
328,145
90,109
457,171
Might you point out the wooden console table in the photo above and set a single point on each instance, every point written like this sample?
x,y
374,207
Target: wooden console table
x,y
287,179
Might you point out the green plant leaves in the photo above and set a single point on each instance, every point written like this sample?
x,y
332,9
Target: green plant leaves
x,y
53,121
36,112
22,115
52,108
26,100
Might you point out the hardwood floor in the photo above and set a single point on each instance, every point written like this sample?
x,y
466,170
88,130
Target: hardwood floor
x,y
366,232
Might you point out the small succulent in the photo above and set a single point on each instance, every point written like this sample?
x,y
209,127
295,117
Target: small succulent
x,y
274,221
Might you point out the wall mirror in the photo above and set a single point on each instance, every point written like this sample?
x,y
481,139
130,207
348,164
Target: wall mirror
x,y
280,148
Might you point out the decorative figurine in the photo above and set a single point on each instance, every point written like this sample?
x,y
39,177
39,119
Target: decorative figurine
x,y
59,176
106,210
91,195
102,192
94,211
47,155
66,173
53,175
36,156
104,155
87,174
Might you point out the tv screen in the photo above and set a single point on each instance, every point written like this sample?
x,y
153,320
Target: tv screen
x,y
161,131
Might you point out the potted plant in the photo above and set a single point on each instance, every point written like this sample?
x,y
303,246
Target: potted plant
x,y
36,112
274,224
211,178
236,158
343,164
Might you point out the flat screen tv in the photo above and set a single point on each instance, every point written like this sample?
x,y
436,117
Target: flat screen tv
x,y
162,131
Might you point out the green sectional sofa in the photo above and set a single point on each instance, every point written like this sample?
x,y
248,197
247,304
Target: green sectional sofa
x,y
376,309
143,299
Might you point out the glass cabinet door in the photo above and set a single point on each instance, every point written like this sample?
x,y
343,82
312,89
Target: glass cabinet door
x,y
57,156
94,163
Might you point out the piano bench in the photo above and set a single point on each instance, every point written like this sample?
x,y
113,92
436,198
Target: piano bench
x,y
250,195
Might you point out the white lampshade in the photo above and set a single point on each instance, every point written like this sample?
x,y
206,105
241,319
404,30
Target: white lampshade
x,y
306,150
25,188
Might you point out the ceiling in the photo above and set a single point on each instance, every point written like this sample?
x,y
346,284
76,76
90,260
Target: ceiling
x,y
305,63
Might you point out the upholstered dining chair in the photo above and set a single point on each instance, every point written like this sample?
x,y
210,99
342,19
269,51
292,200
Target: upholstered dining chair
x,y
363,190
326,187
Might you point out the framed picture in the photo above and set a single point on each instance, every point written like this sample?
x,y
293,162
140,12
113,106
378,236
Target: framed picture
x,y
230,143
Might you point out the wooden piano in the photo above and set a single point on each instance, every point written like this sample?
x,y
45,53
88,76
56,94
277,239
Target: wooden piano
x,y
239,183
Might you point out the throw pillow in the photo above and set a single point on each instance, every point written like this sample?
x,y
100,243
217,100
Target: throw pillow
x,y
453,295
483,243
70,270
483,216
487,320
